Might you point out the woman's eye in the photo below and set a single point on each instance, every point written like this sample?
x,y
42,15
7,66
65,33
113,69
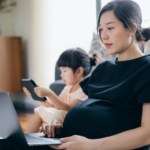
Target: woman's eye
x,y
110,28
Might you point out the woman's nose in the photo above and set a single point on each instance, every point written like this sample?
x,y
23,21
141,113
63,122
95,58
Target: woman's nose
x,y
104,35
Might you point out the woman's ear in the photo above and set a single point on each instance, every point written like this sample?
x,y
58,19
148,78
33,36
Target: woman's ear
x,y
133,30
79,72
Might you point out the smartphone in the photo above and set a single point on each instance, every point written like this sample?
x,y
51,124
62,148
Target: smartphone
x,y
30,85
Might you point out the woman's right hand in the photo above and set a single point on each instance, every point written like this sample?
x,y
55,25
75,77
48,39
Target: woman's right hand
x,y
52,129
26,91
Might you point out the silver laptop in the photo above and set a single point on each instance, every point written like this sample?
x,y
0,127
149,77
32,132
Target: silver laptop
x,y
10,127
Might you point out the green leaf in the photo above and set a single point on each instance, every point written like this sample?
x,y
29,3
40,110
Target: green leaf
x,y
13,4
7,7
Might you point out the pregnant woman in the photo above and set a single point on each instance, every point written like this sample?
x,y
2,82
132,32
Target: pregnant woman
x,y
116,116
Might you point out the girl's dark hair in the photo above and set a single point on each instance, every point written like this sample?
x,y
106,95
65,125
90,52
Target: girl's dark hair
x,y
77,57
128,12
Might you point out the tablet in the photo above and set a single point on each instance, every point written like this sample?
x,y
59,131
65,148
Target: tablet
x,y
30,85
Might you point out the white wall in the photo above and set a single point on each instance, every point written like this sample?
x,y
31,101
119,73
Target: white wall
x,y
27,23
5,24
47,28
66,24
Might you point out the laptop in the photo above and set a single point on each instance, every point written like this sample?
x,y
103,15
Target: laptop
x,y
10,127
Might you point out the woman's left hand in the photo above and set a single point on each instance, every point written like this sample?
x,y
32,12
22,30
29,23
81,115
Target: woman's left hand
x,y
75,143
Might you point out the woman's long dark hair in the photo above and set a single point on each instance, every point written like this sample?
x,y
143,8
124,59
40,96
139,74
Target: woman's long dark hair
x,y
128,12
77,57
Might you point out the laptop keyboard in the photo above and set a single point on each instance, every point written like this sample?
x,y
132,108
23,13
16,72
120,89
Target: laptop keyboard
x,y
36,141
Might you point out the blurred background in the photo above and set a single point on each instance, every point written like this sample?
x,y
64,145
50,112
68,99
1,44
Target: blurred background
x,y
38,31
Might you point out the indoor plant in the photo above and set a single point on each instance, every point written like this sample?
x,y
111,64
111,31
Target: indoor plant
x,y
7,5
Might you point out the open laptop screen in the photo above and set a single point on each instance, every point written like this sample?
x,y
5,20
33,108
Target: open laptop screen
x,y
9,124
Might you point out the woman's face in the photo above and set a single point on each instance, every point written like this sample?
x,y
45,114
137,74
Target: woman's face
x,y
114,35
67,75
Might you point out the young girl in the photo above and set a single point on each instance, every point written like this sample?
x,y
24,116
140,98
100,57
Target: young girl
x,y
75,65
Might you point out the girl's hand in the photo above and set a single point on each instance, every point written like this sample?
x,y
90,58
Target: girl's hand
x,y
26,91
75,143
42,91
51,129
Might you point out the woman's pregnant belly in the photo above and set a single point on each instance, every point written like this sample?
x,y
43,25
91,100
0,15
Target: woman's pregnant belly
x,y
95,118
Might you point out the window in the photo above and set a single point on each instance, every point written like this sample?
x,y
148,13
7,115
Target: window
x,y
66,24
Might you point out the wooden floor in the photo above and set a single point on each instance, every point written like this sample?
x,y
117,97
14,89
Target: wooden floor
x,y
24,118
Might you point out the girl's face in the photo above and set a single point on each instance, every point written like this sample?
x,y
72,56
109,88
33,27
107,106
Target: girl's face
x,y
68,76
114,35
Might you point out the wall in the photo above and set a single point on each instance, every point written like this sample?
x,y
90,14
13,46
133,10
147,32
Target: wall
x,y
5,24
27,23
47,28
66,24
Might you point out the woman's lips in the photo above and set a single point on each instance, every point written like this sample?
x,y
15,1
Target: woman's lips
x,y
107,45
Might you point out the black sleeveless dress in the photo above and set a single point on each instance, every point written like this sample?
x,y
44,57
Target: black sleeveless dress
x,y
116,91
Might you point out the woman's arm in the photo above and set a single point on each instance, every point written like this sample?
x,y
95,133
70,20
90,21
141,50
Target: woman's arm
x,y
126,140
130,139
